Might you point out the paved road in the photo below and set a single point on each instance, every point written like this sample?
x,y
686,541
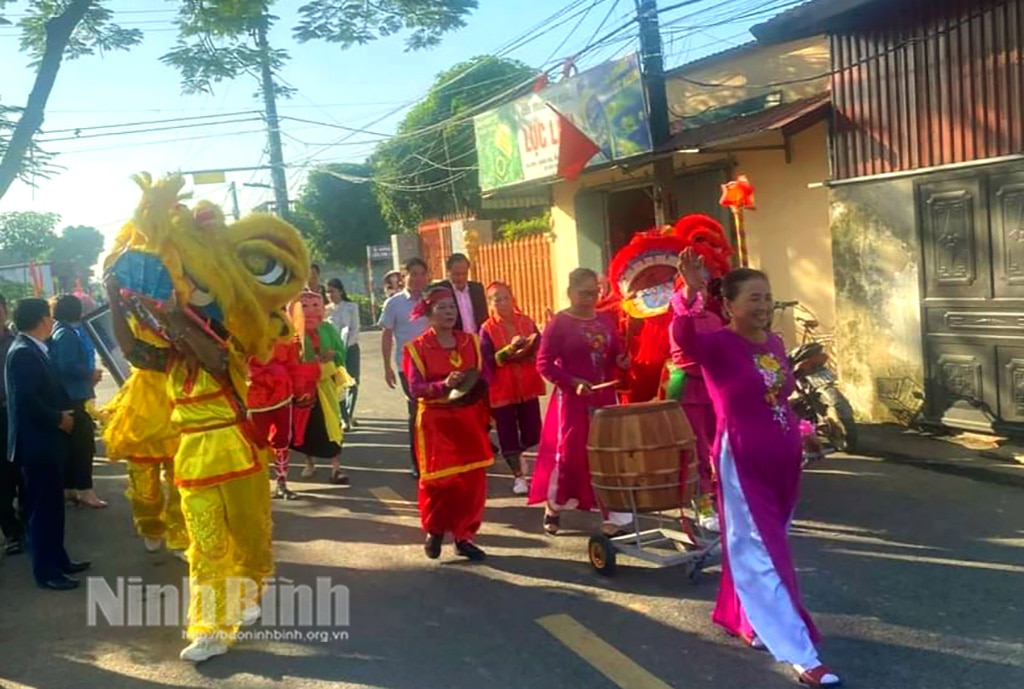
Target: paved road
x,y
914,577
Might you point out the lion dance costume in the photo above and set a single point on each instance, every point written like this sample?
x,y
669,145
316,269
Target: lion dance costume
x,y
643,276
137,428
213,292
279,402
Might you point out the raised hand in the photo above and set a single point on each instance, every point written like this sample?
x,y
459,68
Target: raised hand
x,y
691,268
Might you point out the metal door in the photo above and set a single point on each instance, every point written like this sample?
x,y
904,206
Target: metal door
x,y
972,232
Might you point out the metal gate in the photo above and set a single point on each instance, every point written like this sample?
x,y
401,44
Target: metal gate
x,y
972,230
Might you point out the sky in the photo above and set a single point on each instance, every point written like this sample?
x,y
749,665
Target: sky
x,y
364,87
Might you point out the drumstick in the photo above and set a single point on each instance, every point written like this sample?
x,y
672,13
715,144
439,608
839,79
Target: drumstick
x,y
602,386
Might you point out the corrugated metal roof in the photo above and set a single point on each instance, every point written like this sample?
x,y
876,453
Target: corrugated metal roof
x,y
713,57
744,127
811,18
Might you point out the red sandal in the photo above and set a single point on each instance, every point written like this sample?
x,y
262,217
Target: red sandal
x,y
816,677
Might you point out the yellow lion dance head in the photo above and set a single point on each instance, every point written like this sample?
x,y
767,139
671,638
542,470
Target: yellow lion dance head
x,y
238,275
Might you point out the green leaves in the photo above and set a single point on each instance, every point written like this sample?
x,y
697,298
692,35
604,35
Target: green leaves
x,y
95,33
358,22
429,168
340,216
37,163
27,235
80,246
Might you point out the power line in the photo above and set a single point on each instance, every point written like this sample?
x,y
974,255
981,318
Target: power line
x,y
149,122
164,141
149,130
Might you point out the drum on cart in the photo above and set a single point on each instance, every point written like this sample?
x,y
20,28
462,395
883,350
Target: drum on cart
x,y
637,454
643,461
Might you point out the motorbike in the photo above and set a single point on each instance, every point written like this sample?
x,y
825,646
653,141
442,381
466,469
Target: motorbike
x,y
817,397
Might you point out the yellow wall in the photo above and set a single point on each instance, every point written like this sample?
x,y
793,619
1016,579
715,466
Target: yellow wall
x,y
757,66
788,233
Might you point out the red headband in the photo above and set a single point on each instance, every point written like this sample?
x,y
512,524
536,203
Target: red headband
x,y
429,300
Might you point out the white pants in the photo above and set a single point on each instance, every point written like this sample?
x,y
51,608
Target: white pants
x,y
765,600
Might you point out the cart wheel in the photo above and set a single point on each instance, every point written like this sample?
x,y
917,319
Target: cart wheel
x,y
695,572
602,555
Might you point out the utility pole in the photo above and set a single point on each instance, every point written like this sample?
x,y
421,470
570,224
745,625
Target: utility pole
x,y
234,202
276,151
653,68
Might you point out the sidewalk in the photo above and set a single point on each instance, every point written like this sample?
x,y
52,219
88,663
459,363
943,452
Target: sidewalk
x,y
977,457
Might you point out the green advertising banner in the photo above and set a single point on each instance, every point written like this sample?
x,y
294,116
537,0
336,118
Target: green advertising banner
x,y
518,142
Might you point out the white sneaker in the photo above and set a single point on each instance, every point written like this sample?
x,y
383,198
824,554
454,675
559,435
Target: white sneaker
x,y
521,486
153,545
710,523
202,649
308,471
251,615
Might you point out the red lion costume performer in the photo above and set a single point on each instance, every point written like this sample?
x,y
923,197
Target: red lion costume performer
x,y
643,276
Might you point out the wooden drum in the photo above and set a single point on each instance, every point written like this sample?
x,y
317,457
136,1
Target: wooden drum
x,y
637,454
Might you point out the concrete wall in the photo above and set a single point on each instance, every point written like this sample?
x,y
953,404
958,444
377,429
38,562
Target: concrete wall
x,y
876,258
738,77
788,233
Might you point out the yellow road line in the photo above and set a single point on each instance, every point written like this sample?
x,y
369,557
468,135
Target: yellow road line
x,y
388,495
608,660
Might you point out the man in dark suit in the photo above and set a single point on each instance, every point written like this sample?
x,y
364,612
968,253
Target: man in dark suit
x,y
469,296
39,424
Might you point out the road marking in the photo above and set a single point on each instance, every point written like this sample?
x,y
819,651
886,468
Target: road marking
x,y
916,559
388,495
607,659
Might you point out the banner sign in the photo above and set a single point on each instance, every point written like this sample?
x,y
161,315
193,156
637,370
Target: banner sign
x,y
518,142
378,252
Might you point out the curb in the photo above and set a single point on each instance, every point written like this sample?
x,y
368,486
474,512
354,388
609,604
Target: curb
x,y
984,467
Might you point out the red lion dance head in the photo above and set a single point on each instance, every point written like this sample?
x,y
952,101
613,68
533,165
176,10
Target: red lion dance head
x,y
643,276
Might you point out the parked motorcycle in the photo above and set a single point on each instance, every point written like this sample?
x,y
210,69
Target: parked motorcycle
x,y
817,397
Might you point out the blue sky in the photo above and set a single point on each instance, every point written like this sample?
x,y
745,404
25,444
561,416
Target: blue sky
x,y
349,88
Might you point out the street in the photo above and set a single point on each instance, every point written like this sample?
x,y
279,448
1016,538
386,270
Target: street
x,y
914,578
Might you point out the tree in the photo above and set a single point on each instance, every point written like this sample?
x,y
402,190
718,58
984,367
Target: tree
x,y
429,168
52,30
216,42
27,235
343,215
79,246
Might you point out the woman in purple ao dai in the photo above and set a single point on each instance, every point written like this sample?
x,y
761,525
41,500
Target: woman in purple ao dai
x,y
758,452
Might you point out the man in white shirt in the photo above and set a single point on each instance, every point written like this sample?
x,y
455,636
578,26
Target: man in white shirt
x,y
399,329
469,296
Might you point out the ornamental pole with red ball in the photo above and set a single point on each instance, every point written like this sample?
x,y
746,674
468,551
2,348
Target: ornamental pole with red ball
x,y
737,196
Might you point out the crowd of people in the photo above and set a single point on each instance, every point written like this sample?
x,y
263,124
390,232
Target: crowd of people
x,y
469,360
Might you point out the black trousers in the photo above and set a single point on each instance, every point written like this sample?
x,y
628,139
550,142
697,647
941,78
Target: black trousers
x,y
44,484
12,487
413,405
81,450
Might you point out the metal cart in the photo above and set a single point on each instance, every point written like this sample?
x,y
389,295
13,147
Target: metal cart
x,y
685,545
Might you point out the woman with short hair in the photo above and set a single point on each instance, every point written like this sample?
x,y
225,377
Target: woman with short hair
x,y
78,374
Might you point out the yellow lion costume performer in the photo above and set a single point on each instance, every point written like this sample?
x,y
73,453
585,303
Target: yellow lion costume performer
x,y
137,422
212,293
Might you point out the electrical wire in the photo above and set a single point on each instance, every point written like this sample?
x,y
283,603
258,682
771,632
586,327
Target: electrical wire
x,y
148,130
149,122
